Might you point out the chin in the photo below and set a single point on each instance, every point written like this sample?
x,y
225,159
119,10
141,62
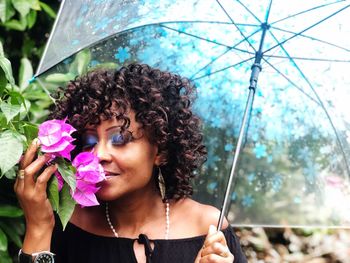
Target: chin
x,y
105,194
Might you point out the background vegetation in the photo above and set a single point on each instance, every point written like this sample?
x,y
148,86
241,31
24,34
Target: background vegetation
x,y
24,29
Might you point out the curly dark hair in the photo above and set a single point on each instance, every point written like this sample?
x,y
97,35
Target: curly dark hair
x,y
162,105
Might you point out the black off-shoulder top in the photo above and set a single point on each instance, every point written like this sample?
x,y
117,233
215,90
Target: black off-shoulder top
x,y
75,245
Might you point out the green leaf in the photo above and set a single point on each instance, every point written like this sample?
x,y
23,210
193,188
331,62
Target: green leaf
x,y
3,241
3,82
5,257
30,131
81,62
67,205
25,73
9,110
35,4
5,65
10,211
19,25
59,77
68,172
11,150
22,6
2,54
11,232
6,10
16,98
31,18
3,6
3,122
52,193
24,109
11,174
48,10
28,46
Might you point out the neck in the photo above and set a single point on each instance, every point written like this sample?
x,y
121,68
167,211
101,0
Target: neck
x,y
132,216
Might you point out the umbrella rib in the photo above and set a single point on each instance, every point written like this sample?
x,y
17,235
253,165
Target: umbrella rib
x,y
249,11
319,102
202,21
205,39
229,49
225,68
268,12
305,11
289,80
50,39
309,59
312,38
306,29
233,22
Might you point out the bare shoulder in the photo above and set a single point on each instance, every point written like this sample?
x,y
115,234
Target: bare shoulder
x,y
198,216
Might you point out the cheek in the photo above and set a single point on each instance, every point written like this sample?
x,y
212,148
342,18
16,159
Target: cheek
x,y
136,159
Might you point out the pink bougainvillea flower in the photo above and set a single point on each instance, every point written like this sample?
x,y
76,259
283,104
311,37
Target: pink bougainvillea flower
x,y
85,194
89,173
55,138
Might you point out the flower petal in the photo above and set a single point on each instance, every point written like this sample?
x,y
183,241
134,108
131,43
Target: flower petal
x,y
85,198
49,133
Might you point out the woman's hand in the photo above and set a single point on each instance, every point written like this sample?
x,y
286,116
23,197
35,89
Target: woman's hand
x,y
31,193
215,248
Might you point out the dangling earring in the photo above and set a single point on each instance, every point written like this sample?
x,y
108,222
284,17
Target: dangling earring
x,y
161,184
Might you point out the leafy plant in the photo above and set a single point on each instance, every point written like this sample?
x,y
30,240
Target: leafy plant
x,y
22,104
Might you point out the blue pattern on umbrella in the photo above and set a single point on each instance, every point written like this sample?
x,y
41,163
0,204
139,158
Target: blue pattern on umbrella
x,y
122,54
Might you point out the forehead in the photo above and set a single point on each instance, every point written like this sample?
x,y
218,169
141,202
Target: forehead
x,y
104,124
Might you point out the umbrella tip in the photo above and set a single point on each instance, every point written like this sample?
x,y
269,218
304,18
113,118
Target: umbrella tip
x,y
32,80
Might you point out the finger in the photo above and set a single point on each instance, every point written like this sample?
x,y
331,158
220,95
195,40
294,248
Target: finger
x,y
30,154
214,236
19,183
33,168
41,181
213,258
216,248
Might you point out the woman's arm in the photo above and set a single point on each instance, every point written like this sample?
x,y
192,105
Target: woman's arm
x,y
31,193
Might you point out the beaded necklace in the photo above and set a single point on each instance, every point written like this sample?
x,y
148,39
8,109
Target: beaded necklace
x,y
167,220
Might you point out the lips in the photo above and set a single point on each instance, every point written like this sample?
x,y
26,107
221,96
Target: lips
x,y
110,174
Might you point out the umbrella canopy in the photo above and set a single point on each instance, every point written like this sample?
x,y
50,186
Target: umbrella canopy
x,y
291,60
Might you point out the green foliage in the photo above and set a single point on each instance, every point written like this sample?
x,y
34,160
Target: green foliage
x,y
67,172
8,158
66,205
22,14
23,25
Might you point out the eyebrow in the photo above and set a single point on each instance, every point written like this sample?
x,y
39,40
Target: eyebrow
x,y
89,129
113,127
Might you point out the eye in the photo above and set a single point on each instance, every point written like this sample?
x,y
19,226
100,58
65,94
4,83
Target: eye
x,y
89,141
121,138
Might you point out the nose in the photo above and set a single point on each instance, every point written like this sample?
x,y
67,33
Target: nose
x,y
102,152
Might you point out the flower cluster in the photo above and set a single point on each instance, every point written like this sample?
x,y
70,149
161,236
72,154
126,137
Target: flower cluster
x,y
56,139
89,173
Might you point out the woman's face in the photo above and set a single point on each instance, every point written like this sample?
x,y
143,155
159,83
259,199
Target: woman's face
x,y
127,158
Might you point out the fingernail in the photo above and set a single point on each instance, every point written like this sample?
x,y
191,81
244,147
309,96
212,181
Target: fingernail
x,y
212,229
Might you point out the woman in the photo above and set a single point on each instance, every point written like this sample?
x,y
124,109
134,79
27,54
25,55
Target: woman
x,y
139,123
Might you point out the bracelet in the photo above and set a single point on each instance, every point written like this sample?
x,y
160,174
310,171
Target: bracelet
x,y
37,257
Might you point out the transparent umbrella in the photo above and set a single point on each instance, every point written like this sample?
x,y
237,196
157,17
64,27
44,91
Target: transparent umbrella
x,y
282,160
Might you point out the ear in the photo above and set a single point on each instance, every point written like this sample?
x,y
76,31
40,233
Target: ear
x,y
160,159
